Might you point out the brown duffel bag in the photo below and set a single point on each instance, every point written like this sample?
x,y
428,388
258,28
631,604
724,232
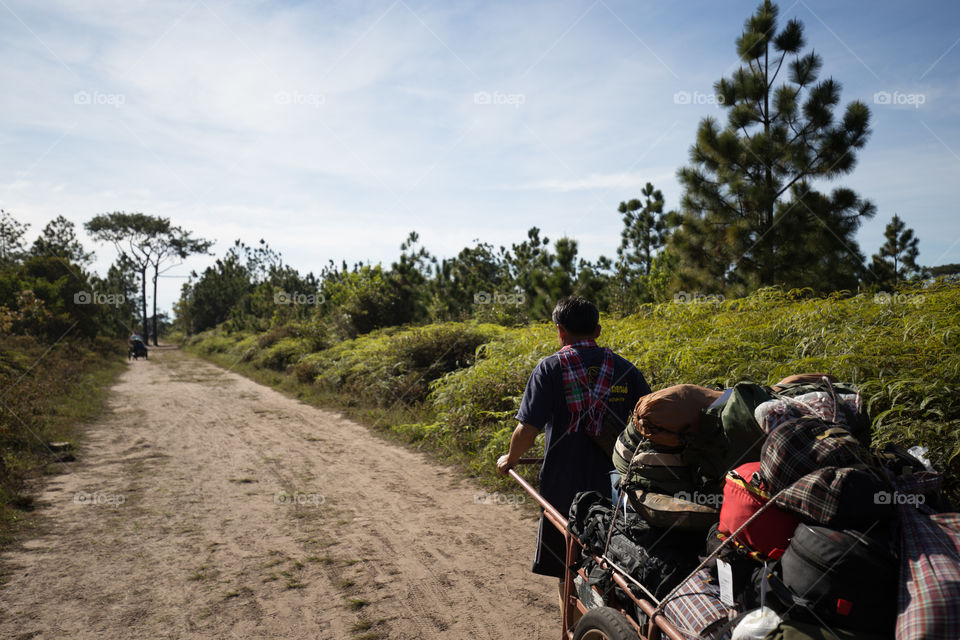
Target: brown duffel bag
x,y
671,416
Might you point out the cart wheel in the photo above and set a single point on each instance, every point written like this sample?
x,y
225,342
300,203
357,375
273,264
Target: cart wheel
x,y
604,624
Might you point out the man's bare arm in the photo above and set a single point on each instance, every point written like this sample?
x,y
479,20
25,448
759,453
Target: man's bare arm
x,y
520,442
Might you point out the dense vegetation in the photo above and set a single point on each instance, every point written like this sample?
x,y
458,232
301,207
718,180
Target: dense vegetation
x,y
757,274
45,393
454,387
59,326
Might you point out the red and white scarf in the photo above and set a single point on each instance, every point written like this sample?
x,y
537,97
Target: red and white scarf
x,y
582,400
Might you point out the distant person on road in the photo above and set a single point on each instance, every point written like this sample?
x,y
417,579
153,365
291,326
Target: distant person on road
x,y
569,396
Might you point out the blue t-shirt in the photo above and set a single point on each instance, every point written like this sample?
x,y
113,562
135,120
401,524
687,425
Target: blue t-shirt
x,y
572,462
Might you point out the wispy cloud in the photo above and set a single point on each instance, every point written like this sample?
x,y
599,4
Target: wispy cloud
x,y
628,182
333,129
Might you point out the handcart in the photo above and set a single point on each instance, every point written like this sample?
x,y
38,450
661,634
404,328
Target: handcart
x,y
136,348
603,619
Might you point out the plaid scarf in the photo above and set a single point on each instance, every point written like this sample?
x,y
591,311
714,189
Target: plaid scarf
x,y
581,399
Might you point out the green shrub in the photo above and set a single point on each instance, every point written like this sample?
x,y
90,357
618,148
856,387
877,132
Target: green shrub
x,y
903,351
392,366
463,381
282,353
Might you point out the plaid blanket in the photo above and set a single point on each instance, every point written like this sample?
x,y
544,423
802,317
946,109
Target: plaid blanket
x,y
929,576
696,611
582,400
840,497
825,496
804,445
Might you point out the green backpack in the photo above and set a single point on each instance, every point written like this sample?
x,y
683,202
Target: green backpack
x,y
729,434
655,468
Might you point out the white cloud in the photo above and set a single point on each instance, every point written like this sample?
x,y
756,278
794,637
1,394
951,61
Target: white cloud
x,y
623,181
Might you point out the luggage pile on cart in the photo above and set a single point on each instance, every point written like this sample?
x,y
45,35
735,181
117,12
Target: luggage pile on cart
x,y
136,348
762,512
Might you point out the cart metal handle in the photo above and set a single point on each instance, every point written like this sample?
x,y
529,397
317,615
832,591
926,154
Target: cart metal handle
x,y
549,510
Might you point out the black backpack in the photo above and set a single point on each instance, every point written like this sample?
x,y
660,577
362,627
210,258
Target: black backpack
x,y
844,578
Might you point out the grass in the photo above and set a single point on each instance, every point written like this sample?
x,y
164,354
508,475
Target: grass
x,y
47,394
424,386
355,604
203,574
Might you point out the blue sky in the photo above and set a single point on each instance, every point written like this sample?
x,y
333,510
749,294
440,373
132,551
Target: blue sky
x,y
333,129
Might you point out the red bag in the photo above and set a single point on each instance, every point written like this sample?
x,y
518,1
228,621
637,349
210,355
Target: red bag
x,y
744,492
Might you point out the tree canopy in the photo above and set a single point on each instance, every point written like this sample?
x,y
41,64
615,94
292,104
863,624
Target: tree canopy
x,y
751,213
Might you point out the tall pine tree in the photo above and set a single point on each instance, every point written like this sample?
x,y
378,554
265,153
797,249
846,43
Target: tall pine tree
x,y
645,228
59,240
750,214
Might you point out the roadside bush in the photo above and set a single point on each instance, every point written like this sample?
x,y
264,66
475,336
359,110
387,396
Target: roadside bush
x,y
903,350
282,353
391,366
44,391
464,380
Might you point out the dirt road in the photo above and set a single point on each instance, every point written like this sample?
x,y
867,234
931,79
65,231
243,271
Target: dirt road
x,y
204,505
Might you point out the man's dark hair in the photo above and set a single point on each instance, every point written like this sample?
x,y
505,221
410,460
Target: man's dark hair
x,y
577,315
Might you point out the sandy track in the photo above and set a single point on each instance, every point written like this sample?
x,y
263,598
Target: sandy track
x,y
205,505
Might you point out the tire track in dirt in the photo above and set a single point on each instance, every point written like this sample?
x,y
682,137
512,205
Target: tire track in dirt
x,y
223,509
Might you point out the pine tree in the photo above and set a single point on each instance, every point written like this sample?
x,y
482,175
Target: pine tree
x,y
644,230
897,258
59,240
750,214
644,233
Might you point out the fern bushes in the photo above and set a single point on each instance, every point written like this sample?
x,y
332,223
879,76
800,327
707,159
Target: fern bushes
x,y
462,382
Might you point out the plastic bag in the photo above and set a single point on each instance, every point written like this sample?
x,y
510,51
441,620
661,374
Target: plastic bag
x,y
756,624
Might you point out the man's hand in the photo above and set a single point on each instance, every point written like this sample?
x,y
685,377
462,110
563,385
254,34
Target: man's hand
x,y
521,441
